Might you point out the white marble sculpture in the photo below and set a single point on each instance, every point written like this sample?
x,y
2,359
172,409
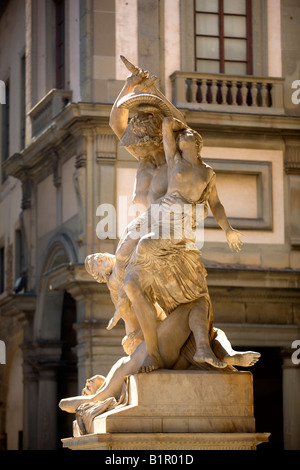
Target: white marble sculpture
x,y
156,280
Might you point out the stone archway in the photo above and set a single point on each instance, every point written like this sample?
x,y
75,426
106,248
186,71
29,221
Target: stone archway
x,y
60,252
46,356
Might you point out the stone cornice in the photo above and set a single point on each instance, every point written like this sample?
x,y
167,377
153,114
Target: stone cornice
x,y
60,137
279,284
21,305
75,279
82,119
253,277
248,123
260,335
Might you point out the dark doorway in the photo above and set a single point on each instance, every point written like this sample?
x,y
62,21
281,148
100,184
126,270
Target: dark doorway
x,y
67,374
268,407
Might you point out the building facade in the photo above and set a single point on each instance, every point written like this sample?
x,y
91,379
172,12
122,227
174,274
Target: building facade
x,y
233,68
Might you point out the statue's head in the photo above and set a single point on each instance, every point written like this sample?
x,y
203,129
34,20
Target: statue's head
x,y
189,138
147,122
100,266
92,385
144,131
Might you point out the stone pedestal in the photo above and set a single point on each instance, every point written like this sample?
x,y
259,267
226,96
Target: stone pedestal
x,y
186,410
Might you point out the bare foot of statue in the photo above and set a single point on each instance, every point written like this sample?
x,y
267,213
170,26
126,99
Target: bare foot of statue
x,y
243,359
205,354
151,363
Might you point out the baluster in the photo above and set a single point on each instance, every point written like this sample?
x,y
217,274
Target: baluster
x,y
249,94
239,94
224,91
270,96
188,95
209,94
199,92
264,93
214,91
234,91
194,90
219,92
204,90
244,93
254,94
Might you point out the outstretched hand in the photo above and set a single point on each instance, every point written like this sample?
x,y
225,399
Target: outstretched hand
x,y
233,238
137,76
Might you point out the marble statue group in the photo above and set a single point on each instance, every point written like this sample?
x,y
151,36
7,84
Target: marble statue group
x,y
156,279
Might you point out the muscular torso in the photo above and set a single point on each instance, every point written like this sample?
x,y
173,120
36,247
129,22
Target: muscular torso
x,y
151,182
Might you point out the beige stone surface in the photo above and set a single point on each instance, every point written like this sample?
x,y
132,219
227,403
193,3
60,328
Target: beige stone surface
x,y
46,211
178,410
184,401
167,441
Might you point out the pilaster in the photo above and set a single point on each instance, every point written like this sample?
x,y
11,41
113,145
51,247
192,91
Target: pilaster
x,y
46,406
41,373
291,399
22,307
94,181
30,397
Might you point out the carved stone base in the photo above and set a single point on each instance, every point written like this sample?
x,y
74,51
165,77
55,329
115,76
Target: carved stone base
x,y
167,441
178,410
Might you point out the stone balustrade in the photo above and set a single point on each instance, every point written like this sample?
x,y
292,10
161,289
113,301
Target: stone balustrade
x,y
227,93
47,108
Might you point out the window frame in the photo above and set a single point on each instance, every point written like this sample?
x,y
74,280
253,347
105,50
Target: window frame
x,y
23,102
5,131
221,37
2,269
60,43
